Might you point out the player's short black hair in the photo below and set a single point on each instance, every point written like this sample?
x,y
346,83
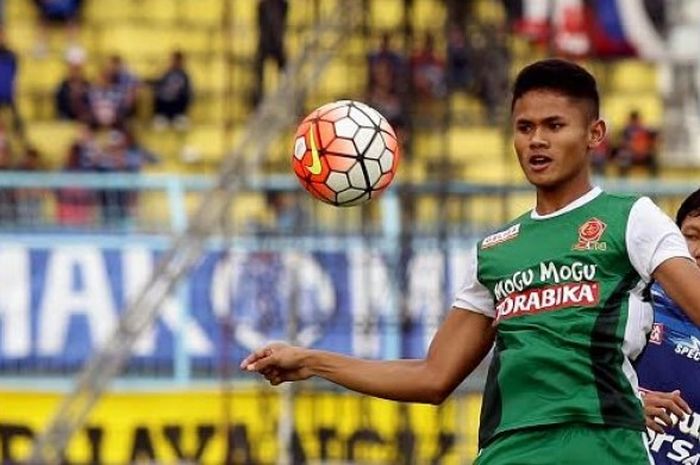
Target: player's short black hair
x,y
559,75
689,207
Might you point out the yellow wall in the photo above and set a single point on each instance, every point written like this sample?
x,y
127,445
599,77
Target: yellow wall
x,y
122,417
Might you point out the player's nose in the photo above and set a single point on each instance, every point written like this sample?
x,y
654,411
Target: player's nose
x,y
537,139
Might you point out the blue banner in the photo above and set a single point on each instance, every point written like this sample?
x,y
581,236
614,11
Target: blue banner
x,y
60,304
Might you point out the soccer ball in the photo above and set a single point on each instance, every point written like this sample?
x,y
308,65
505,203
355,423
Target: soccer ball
x,y
345,153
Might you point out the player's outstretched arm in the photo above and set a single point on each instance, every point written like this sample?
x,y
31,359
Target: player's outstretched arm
x,y
462,341
680,279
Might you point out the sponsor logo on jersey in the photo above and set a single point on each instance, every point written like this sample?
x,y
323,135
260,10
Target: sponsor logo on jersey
x,y
562,285
549,272
681,444
501,236
589,234
545,299
657,333
689,348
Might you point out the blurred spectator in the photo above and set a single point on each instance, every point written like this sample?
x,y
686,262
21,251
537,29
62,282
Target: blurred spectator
x,y
136,155
115,203
428,71
76,206
73,94
289,214
63,12
637,146
383,97
272,24
107,102
385,56
459,10
459,72
172,95
29,200
491,76
8,75
113,97
31,161
7,196
126,82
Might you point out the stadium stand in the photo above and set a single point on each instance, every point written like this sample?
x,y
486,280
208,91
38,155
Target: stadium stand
x,y
145,32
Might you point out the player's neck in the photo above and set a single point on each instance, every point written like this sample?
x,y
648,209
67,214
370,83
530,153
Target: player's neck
x,y
553,199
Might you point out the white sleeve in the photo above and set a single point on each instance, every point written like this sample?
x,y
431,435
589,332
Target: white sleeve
x,y
473,295
652,238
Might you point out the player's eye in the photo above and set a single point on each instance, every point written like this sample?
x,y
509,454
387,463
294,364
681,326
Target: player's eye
x,y
524,128
556,126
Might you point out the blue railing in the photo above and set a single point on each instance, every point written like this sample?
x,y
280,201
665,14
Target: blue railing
x,y
99,203
64,282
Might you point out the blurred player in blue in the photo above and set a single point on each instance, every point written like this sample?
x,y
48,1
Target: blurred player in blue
x,y
669,367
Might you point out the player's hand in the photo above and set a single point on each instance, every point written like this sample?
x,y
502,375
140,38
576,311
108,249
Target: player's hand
x,y
658,407
278,362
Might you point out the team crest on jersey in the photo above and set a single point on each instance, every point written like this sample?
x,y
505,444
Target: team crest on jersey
x,y
657,333
589,234
501,236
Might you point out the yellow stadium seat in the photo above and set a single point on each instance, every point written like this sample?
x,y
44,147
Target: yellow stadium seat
x,y
190,40
355,46
21,35
249,211
208,108
19,12
428,14
110,11
330,7
165,144
616,108
301,14
210,12
386,14
465,107
476,143
428,145
426,211
153,210
209,76
205,144
163,11
412,171
488,11
632,76
334,79
244,22
41,75
53,140
134,41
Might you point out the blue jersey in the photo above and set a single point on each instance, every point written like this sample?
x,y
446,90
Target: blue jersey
x,y
671,361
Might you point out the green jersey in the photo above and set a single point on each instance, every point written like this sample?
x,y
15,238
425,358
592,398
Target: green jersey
x,y
558,287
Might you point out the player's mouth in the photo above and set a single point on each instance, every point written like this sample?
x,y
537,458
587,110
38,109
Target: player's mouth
x,y
539,162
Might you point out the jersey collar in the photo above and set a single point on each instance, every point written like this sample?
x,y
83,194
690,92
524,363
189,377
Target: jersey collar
x,y
584,199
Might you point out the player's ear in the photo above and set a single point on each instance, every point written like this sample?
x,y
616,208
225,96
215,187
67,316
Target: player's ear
x,y
596,134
